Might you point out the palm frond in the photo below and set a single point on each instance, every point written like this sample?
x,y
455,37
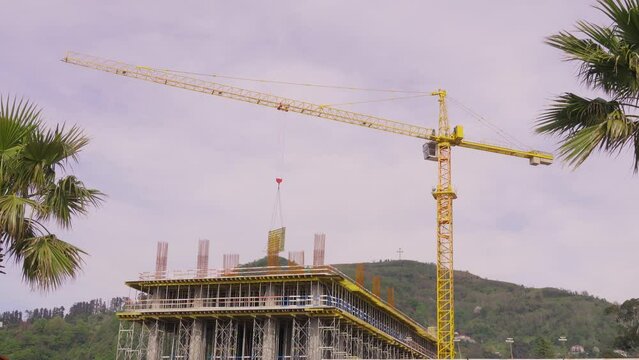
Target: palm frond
x,y
21,111
570,113
48,262
18,119
15,245
605,62
625,16
67,198
32,158
13,210
587,124
46,151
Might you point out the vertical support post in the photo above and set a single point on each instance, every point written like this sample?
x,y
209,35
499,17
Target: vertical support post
x,y
230,263
314,336
390,296
319,249
269,345
359,274
314,339
153,344
126,334
161,259
258,339
269,342
444,195
197,344
202,258
377,286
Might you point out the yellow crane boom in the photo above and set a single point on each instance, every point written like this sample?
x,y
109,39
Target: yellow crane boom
x,y
437,148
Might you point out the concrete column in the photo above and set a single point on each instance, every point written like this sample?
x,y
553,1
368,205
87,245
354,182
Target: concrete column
x,y
269,342
316,293
314,340
269,345
197,344
153,347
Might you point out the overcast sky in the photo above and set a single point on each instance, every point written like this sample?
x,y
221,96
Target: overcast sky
x,y
180,166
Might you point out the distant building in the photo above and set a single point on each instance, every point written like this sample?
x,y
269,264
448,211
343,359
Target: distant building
x,y
466,338
620,352
577,349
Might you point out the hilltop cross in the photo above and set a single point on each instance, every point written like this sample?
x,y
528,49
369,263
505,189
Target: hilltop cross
x,y
400,252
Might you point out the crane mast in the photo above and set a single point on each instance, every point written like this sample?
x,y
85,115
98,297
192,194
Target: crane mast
x,y
444,195
438,148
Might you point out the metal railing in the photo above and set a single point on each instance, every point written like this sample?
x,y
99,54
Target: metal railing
x,y
245,303
222,303
239,271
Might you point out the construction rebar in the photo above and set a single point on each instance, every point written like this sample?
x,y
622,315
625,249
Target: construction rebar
x,y
377,285
202,258
161,259
359,274
319,249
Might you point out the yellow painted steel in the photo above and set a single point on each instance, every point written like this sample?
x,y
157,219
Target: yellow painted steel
x,y
276,239
444,193
356,288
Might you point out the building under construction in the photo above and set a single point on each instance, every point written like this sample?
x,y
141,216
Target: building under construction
x,y
271,312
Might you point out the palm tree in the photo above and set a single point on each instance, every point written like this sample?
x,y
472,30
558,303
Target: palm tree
x,y
36,191
608,58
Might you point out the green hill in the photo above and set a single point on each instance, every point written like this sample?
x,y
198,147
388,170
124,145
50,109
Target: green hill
x,y
487,312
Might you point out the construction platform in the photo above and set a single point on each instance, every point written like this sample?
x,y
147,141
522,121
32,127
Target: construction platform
x,y
269,313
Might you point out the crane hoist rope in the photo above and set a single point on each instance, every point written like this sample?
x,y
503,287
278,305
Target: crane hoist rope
x,y
377,100
279,82
277,235
277,207
438,146
509,138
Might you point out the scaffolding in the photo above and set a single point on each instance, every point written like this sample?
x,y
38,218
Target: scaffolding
x,y
305,313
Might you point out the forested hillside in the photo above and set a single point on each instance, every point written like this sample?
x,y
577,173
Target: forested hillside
x,y
87,331
487,312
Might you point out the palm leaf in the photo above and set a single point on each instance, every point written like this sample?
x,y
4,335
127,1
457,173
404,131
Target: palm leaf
x,y
48,262
606,63
67,198
33,190
588,124
625,16
13,210
608,58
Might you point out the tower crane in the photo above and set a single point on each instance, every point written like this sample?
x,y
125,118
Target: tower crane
x,y
438,146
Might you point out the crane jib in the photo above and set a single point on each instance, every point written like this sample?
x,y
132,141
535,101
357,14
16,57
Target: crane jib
x,y
437,148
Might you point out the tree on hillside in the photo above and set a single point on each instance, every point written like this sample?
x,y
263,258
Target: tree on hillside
x,y
628,321
542,349
608,58
37,189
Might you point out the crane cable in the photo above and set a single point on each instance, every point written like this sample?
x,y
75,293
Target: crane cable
x,y
277,207
299,84
510,139
375,101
